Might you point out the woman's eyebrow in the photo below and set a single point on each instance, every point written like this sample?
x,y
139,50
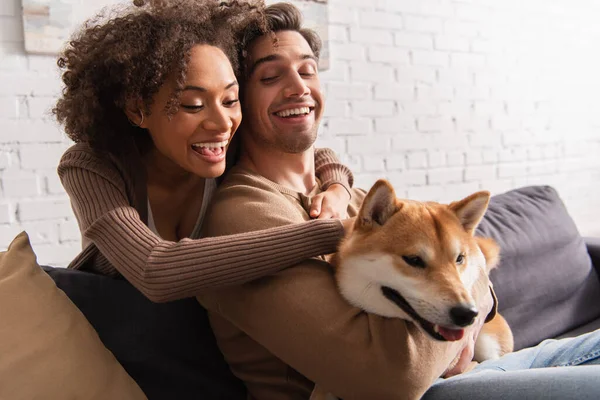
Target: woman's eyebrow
x,y
203,89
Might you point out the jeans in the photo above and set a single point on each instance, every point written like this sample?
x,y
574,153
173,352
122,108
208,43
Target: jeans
x,y
531,373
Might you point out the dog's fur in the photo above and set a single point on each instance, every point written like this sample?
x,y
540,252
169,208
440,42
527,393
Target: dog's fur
x,y
495,338
419,261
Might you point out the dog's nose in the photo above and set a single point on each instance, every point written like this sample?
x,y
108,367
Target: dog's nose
x,y
463,315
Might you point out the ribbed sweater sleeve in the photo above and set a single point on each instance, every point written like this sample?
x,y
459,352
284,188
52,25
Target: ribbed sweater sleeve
x,y
164,270
329,170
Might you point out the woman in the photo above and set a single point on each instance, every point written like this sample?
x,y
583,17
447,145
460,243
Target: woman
x,y
151,100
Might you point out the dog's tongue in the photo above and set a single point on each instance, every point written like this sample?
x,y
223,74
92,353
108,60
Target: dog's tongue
x,y
451,335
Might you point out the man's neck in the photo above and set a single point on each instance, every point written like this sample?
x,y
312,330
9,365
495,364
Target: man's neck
x,y
294,171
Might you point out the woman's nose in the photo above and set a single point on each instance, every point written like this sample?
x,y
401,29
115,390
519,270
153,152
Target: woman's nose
x,y
218,120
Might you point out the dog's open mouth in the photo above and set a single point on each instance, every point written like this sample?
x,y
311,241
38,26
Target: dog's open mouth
x,y
435,331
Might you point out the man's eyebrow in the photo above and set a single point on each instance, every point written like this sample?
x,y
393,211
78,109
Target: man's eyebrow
x,y
262,60
203,89
309,57
275,57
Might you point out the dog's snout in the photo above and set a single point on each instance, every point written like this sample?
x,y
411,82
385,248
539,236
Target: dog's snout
x,y
463,315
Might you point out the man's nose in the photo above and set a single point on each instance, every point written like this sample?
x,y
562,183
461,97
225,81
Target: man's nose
x,y
218,120
296,86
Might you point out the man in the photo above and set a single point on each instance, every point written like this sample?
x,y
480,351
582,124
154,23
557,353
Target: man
x,y
285,332
282,334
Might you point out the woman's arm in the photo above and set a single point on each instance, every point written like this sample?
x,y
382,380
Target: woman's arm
x,y
164,270
336,182
330,171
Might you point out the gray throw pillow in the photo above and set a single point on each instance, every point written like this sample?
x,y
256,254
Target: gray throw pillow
x,y
545,283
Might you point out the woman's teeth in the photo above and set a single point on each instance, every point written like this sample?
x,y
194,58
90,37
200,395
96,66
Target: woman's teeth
x,y
293,111
210,145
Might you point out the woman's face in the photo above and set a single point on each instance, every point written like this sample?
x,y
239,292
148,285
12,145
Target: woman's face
x,y
197,136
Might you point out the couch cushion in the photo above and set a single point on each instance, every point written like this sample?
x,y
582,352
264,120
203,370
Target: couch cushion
x,y
581,330
545,282
48,350
168,349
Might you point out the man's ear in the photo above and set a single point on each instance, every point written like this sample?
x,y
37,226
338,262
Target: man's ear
x,y
135,115
379,205
471,209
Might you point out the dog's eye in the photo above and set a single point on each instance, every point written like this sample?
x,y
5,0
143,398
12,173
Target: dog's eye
x,y
460,259
414,261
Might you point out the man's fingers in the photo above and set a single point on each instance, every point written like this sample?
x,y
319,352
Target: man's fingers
x,y
464,359
327,211
315,207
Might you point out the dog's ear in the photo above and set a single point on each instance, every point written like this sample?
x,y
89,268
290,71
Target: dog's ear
x,y
379,205
490,250
470,210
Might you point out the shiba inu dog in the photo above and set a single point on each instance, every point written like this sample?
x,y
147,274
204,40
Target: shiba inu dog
x,y
419,261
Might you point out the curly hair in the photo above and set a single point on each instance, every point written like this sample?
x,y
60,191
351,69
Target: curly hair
x,y
128,53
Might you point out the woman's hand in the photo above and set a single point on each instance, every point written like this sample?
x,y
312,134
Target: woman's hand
x,y
333,203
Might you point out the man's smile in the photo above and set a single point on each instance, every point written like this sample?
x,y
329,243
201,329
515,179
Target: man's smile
x,y
293,112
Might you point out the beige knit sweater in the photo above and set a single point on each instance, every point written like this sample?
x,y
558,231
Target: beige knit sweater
x,y
282,333
109,199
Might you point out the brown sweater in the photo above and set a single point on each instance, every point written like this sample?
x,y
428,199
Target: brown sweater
x,y
282,333
109,199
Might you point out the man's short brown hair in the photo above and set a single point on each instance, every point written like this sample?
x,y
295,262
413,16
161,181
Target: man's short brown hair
x,y
279,17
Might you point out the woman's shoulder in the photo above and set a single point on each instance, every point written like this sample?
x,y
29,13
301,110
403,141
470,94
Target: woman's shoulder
x,y
80,153
81,147
83,157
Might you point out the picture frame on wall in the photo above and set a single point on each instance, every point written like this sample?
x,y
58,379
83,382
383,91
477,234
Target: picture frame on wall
x,y
48,24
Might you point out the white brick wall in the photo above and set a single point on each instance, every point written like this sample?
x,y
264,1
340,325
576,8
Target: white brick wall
x,y
442,97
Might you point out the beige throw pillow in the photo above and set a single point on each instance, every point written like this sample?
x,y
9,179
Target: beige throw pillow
x,y
48,350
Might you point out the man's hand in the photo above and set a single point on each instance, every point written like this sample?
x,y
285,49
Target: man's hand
x,y
333,203
465,361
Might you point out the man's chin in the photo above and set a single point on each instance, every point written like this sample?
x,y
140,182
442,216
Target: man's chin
x,y
296,142
296,147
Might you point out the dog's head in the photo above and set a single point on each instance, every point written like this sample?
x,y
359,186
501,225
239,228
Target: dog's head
x,y
414,260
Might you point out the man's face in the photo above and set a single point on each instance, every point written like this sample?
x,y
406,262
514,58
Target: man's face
x,y
283,103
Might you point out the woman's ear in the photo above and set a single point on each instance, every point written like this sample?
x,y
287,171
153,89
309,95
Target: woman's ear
x,y
135,115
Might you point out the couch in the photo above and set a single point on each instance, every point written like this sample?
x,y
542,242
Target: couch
x,y
547,285
547,281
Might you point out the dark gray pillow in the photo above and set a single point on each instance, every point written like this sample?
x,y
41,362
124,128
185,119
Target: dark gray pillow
x,y
545,283
168,349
